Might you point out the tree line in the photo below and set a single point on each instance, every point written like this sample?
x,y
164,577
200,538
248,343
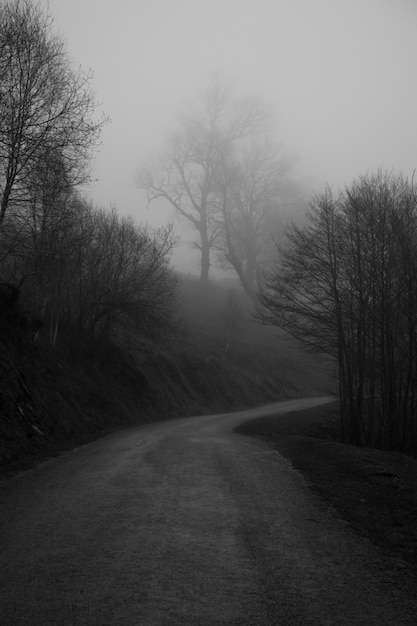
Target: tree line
x,y
345,283
84,268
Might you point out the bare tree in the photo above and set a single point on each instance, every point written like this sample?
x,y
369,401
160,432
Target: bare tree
x,y
188,176
250,183
46,109
122,277
345,284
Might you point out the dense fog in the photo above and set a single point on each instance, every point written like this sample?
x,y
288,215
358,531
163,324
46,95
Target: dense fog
x,y
339,76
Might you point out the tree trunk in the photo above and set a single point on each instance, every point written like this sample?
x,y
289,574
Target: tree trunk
x,y
205,260
4,202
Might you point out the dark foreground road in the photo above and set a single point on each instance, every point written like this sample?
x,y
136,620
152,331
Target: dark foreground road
x,y
184,522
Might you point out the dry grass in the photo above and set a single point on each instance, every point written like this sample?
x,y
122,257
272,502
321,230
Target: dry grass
x,y
375,491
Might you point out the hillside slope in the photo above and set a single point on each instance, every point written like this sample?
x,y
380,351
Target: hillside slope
x,y
48,400
51,400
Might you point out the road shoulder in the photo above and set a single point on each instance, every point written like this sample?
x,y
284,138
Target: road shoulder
x,y
373,490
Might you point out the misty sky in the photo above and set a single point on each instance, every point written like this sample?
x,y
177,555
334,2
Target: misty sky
x,y
341,75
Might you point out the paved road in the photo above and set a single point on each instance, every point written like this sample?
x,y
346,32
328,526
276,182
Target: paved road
x,y
185,522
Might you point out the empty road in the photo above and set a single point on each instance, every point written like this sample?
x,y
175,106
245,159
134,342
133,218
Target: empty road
x,y
186,522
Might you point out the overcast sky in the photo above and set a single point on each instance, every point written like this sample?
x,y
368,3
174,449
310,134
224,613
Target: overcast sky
x,y
341,75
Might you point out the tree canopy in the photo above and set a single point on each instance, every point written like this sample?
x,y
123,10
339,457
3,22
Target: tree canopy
x,y
46,108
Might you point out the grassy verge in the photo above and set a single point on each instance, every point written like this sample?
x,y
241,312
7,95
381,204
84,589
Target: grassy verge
x,y
374,491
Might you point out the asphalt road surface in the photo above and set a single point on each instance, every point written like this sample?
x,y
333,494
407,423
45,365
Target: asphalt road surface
x,y
186,522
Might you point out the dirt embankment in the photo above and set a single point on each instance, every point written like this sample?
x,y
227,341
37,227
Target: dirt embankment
x,y
374,490
51,401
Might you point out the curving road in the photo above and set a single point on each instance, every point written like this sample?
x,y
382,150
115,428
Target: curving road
x,y
185,522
